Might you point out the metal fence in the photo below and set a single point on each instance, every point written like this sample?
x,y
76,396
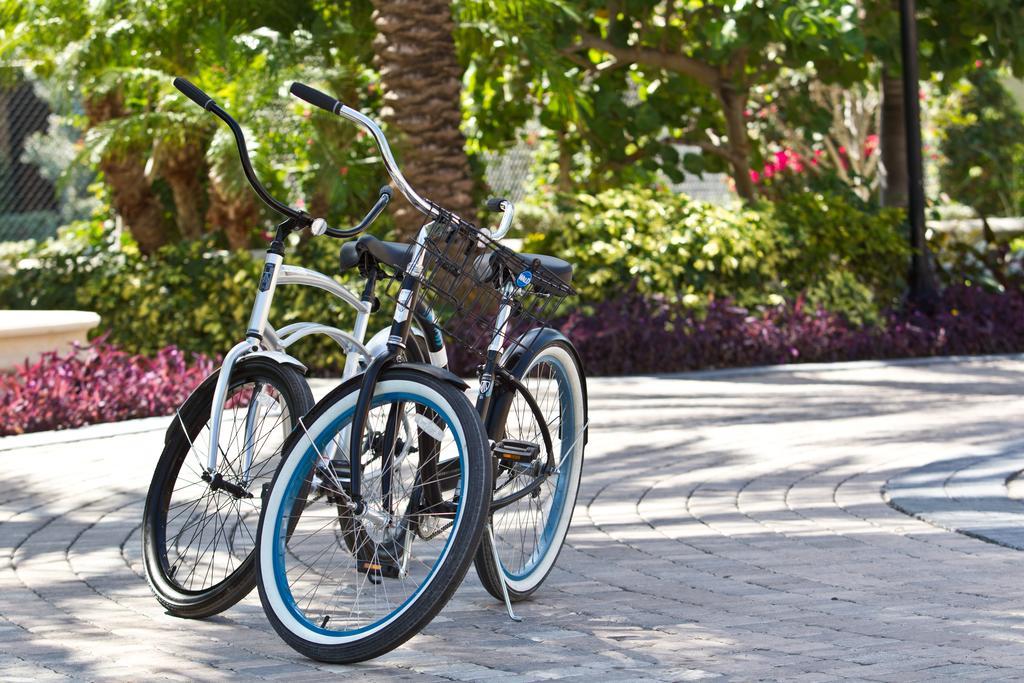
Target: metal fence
x,y
510,174
29,200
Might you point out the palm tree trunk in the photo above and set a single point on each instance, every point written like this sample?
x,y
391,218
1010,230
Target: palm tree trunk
x,y
422,82
134,200
183,168
893,140
132,196
237,216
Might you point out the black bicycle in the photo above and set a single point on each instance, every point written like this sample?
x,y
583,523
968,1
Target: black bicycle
x,y
394,482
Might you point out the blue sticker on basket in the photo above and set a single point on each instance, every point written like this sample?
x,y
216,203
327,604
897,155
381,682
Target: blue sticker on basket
x,y
524,279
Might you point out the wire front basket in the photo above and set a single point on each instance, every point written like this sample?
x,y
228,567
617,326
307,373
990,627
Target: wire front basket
x,y
467,276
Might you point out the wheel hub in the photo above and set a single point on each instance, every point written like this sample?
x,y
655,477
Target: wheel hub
x,y
217,482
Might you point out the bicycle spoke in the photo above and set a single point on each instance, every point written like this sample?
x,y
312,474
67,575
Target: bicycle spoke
x,y
208,532
332,555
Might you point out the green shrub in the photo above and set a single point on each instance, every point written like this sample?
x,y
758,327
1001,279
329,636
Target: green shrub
x,y
988,259
666,243
836,254
981,132
188,294
840,253
827,247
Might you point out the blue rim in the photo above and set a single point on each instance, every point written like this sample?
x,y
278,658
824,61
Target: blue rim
x,y
558,499
295,483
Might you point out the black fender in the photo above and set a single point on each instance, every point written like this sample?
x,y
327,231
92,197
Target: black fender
x,y
272,356
443,374
515,361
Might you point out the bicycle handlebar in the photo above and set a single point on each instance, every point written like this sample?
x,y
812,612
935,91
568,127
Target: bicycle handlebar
x,y
193,93
315,97
318,226
507,210
332,105
370,217
206,102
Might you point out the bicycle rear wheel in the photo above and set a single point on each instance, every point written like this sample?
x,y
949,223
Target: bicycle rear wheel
x,y
199,530
343,580
540,488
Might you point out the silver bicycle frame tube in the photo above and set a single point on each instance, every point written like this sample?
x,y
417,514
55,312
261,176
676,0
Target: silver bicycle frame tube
x,y
349,342
504,313
217,407
294,275
260,331
250,434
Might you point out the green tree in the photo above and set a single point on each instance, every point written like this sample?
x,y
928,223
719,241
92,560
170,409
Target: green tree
x,y
634,78
952,35
982,144
172,169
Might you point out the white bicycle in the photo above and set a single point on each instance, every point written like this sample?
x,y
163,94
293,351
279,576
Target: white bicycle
x,y
224,443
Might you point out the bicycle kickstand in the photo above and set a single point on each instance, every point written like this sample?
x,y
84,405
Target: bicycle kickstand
x,y
497,564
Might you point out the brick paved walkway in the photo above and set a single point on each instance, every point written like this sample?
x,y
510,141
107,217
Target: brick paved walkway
x,y
729,526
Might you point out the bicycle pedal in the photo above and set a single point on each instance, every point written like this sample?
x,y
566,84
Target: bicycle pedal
x,y
514,452
378,570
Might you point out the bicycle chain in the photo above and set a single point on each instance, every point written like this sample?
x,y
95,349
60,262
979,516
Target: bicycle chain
x,y
434,534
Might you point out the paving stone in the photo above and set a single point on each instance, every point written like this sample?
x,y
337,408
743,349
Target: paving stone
x,y
730,526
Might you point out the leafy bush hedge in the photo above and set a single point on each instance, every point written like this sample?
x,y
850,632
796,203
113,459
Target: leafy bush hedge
x,y
697,270
189,295
98,383
665,242
637,334
981,132
827,247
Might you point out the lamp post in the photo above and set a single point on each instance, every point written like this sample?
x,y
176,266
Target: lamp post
x,y
923,289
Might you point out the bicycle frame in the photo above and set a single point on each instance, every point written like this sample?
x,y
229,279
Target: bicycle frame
x,y
262,339
407,296
401,326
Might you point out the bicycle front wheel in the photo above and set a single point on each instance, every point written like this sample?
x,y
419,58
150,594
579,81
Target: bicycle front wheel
x,y
344,579
534,497
199,529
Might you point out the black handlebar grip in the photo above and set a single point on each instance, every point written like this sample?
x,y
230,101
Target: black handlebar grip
x,y
496,204
386,190
193,93
315,97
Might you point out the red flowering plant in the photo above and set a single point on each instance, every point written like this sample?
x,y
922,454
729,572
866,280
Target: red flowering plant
x,y
820,137
96,383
